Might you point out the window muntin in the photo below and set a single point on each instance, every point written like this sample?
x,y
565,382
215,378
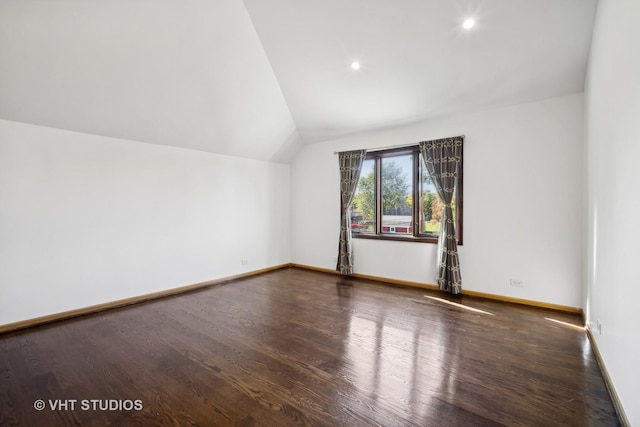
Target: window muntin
x,y
384,208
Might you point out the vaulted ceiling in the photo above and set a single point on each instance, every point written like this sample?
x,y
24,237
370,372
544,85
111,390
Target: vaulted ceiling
x,y
258,78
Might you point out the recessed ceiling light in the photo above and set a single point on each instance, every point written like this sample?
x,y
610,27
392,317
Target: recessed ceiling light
x,y
355,65
468,23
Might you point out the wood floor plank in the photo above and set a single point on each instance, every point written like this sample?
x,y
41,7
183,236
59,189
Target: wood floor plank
x,y
296,347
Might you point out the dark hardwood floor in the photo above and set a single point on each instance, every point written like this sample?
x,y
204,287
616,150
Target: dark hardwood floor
x,y
296,347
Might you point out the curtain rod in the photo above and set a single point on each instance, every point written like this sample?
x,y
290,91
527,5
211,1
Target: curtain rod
x,y
403,145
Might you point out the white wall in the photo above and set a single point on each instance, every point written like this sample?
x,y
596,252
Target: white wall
x,y
522,202
613,226
86,219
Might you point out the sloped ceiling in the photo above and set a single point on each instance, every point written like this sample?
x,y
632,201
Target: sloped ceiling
x,y
258,78
189,73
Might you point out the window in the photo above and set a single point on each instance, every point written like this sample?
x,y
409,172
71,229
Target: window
x,y
396,199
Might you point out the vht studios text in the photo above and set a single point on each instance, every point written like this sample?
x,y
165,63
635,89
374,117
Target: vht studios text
x,y
89,405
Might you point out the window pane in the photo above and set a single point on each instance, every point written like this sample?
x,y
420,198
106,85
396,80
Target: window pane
x,y
397,190
363,210
431,209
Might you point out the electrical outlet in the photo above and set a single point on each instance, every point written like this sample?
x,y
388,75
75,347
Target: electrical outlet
x,y
516,282
244,261
598,326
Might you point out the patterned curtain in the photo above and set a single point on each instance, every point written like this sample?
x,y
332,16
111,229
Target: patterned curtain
x,y
442,159
350,166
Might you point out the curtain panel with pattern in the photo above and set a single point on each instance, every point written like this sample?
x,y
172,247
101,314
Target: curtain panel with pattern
x,y
442,159
350,163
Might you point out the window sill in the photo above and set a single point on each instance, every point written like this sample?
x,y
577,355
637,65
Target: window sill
x,y
396,238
